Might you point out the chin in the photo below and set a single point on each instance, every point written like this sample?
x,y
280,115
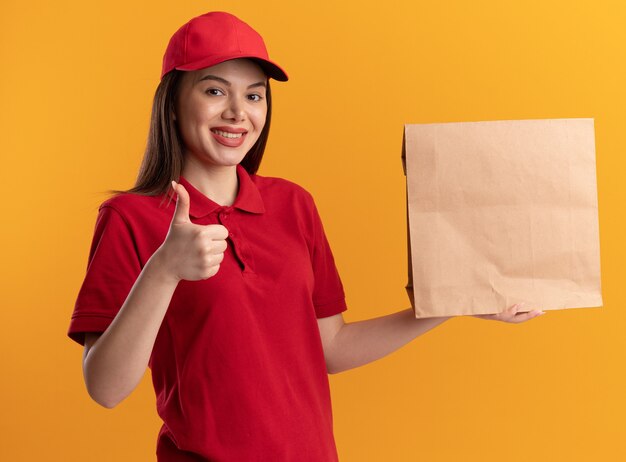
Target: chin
x,y
228,161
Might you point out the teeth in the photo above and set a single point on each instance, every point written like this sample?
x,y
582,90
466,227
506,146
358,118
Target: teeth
x,y
226,134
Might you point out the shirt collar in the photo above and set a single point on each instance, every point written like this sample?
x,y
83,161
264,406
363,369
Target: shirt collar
x,y
248,197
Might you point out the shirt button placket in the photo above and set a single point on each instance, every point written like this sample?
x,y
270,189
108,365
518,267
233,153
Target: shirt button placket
x,y
224,218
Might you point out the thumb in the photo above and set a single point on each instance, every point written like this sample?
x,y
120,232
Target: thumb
x,y
181,212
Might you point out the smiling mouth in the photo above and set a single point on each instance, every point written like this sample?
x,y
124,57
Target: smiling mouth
x,y
227,134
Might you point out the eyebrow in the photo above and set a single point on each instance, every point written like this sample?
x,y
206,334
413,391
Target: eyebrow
x,y
227,83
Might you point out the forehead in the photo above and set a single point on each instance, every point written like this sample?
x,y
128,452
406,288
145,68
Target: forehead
x,y
235,70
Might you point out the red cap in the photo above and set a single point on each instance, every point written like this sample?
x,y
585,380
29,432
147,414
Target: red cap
x,y
215,37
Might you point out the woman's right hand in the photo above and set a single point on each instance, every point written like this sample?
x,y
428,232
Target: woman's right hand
x,y
191,252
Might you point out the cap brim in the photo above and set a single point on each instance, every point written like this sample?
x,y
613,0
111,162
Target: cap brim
x,y
270,68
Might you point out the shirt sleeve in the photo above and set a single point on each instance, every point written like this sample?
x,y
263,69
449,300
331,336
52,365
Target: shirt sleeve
x,y
328,294
113,267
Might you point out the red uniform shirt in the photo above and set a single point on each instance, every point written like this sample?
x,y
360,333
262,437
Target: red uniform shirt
x,y
238,365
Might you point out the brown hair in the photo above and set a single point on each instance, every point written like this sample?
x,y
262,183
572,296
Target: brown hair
x,y
163,156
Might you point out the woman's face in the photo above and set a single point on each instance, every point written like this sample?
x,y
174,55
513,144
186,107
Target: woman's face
x,y
221,110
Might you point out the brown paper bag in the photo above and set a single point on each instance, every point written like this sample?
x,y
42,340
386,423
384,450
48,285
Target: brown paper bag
x,y
501,212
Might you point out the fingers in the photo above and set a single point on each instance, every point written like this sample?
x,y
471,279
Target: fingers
x,y
218,258
220,246
511,315
510,312
216,247
213,238
507,315
527,316
217,232
181,212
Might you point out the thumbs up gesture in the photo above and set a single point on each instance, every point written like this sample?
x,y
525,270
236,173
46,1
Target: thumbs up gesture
x,y
191,252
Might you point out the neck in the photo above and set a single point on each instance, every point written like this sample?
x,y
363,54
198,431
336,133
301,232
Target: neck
x,y
218,183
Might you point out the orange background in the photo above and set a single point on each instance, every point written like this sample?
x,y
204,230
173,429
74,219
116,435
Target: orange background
x,y
76,87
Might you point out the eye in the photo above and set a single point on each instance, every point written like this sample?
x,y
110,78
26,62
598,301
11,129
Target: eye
x,y
211,91
258,97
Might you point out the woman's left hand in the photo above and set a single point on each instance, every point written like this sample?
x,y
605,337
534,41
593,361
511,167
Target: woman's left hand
x,y
511,315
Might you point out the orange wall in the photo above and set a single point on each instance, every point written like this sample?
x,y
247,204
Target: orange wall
x,y
75,89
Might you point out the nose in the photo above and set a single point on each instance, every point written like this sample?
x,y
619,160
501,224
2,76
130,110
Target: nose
x,y
234,110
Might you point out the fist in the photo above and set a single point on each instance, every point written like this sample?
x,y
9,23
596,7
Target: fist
x,y
191,252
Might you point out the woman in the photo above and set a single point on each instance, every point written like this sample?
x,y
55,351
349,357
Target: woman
x,y
220,280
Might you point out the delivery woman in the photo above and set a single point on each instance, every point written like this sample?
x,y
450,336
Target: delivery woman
x,y
220,280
